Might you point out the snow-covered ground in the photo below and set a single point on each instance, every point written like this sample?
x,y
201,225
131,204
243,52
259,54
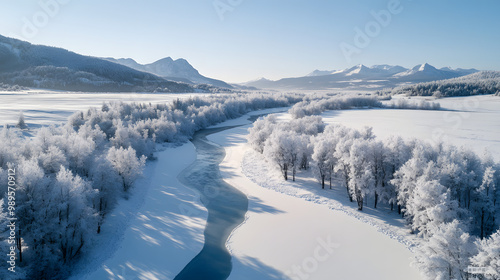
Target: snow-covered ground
x,y
289,232
472,121
44,107
156,232
287,237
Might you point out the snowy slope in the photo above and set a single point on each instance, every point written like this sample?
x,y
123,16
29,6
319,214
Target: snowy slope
x,y
40,66
155,233
427,72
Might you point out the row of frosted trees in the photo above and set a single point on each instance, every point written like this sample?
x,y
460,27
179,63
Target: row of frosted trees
x,y
448,195
70,177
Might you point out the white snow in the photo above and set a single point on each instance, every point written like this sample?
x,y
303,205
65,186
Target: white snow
x,y
44,107
283,232
155,233
472,122
288,227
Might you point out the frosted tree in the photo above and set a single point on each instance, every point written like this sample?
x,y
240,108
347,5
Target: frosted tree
x,y
75,216
20,272
311,125
260,131
307,152
126,164
323,157
406,177
471,176
31,197
446,254
298,151
280,148
44,138
486,202
377,157
79,152
488,256
343,164
53,159
9,147
21,124
430,206
106,181
397,154
367,133
361,180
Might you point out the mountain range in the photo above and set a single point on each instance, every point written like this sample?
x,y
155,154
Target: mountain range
x,y
363,77
37,66
175,70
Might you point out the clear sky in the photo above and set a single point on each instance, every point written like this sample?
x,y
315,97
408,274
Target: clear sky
x,y
245,39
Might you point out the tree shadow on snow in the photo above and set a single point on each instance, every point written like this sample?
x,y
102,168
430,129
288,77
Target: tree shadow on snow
x,y
258,206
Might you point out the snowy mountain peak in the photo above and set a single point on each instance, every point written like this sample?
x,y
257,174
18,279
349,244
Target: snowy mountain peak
x,y
319,73
261,79
178,70
358,69
447,68
424,67
165,60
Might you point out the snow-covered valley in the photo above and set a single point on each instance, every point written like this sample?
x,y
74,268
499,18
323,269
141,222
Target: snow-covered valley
x,y
292,230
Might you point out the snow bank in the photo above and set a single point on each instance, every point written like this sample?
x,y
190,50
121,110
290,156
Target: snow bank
x,y
155,233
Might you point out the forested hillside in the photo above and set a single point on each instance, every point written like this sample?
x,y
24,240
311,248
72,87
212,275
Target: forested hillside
x,y
485,82
39,66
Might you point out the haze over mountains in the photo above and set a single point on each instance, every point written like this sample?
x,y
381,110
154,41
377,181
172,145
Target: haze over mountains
x,y
363,77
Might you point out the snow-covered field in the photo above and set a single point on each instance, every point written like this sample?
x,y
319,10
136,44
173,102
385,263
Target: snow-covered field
x,y
289,232
473,122
53,107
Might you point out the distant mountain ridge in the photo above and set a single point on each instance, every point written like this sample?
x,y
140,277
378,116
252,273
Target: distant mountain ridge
x,y
25,64
176,70
363,77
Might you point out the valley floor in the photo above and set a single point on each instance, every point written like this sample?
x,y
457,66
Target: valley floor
x,y
290,232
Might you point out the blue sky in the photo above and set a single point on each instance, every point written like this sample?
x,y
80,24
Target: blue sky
x,y
247,39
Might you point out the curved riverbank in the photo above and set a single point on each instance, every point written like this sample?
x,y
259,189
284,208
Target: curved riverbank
x,y
226,207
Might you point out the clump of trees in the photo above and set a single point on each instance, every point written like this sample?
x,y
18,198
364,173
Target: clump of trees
x,y
402,103
69,177
317,104
448,195
8,87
